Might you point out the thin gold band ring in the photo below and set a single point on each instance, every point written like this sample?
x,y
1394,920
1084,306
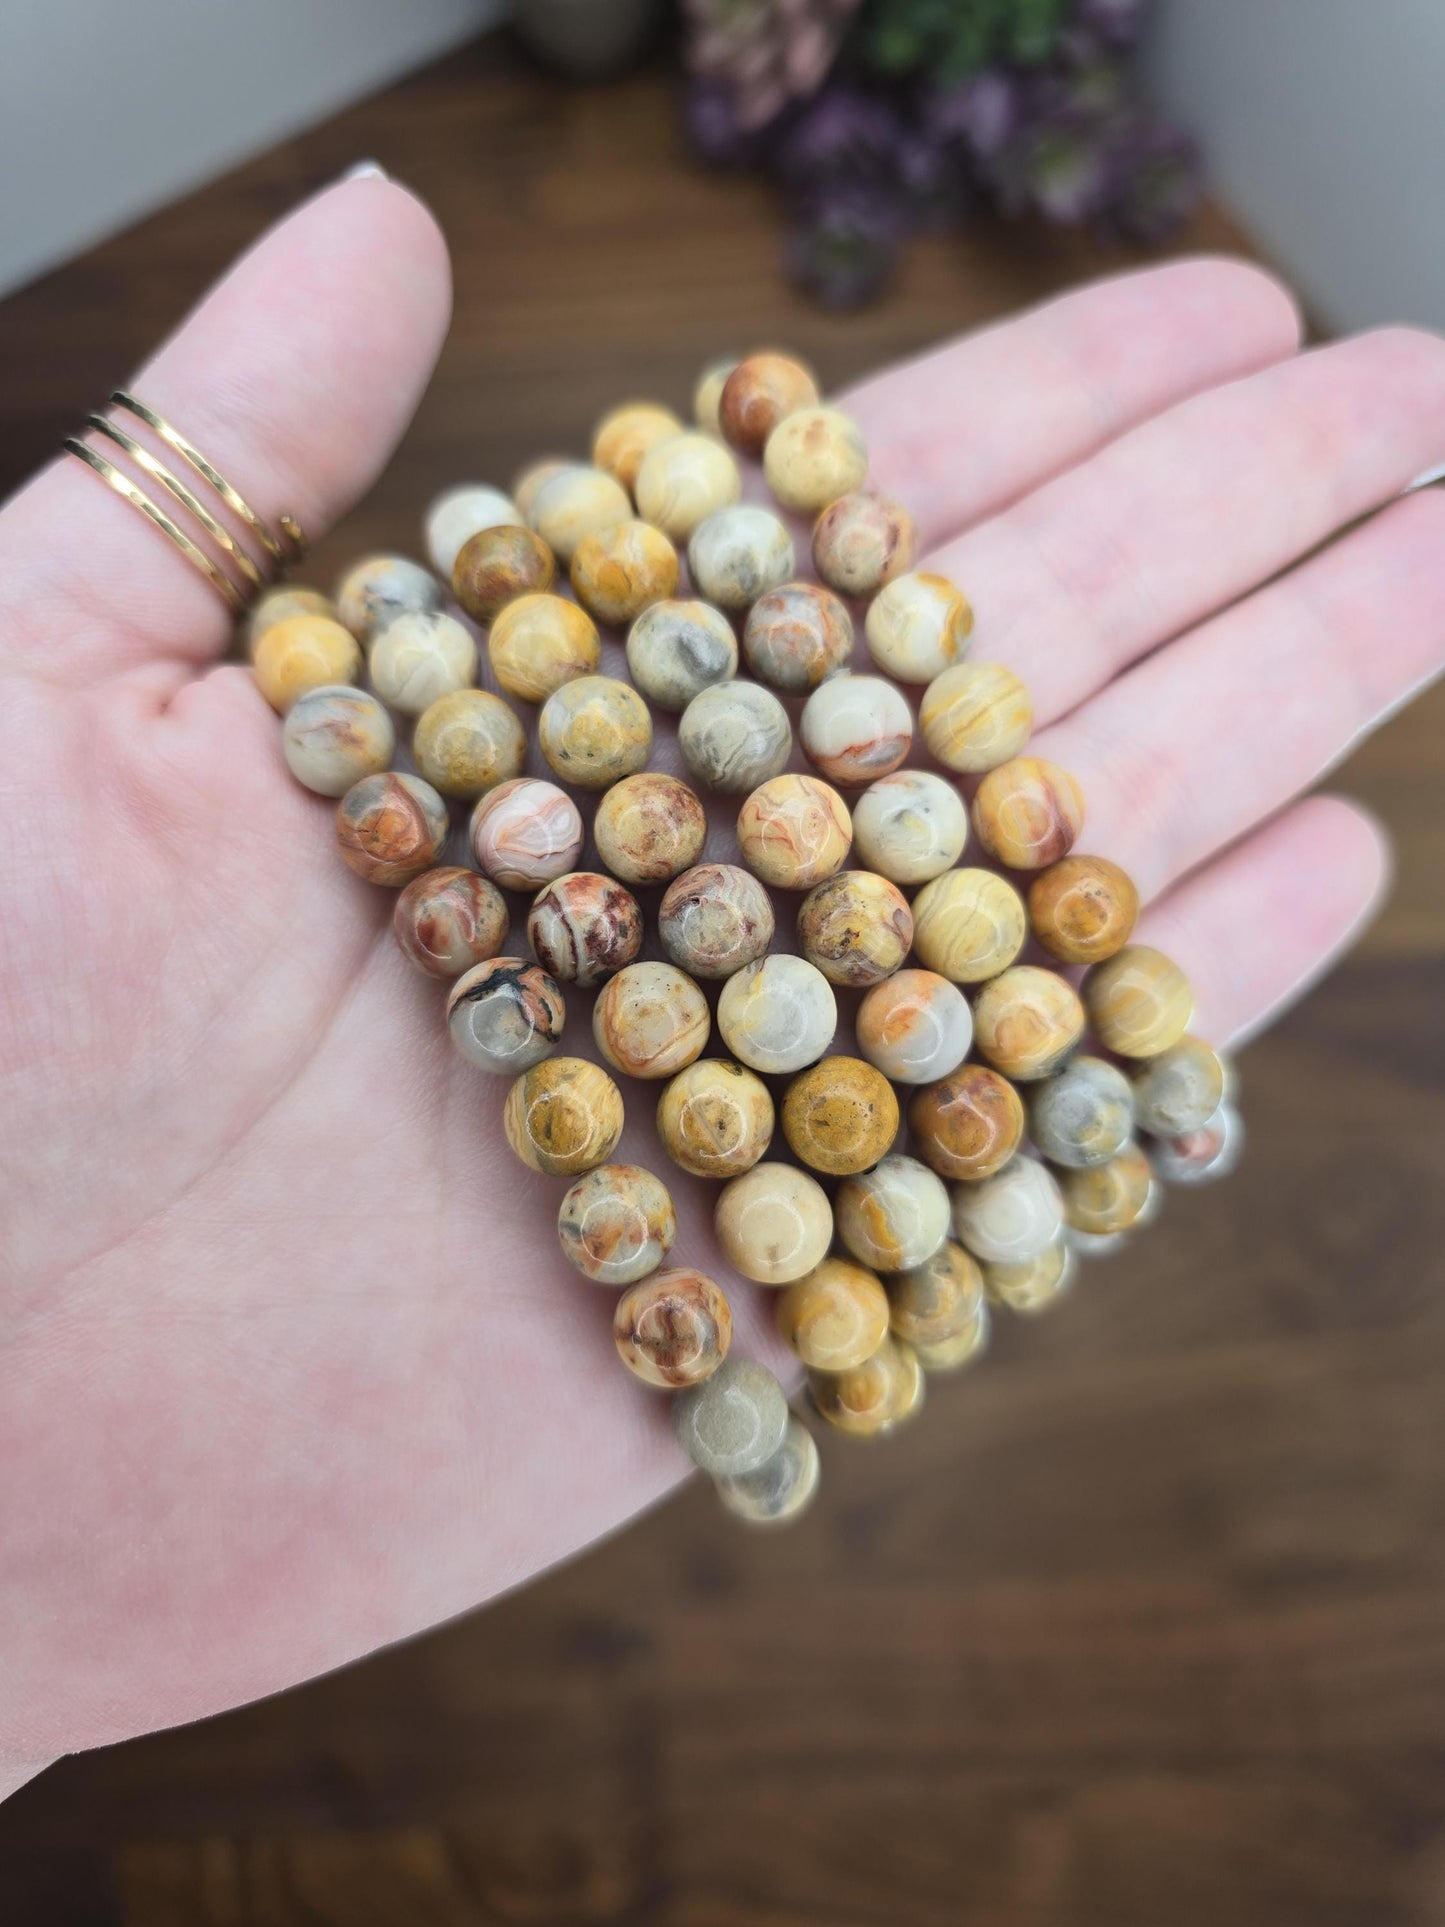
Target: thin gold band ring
x,y
177,489
137,497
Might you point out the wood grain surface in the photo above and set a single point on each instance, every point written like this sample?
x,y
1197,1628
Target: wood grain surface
x,y
1145,1621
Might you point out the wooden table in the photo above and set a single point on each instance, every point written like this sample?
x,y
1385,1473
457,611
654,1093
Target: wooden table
x,y
1146,1621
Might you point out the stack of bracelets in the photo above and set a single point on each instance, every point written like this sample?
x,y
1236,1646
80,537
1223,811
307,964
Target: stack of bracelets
x,y
1023,1152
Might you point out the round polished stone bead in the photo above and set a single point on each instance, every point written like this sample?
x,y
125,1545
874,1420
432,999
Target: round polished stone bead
x,y
649,827
1083,909
1028,812
939,1308
574,501
733,1422
861,542
584,926
468,742
650,1020
447,920
335,735
505,1015
774,1223
279,604
735,736
813,456
915,1026
919,626
781,1490
835,1317
676,649
968,925
378,588
715,1118
1012,1216
707,396
595,731
563,1116
976,716
301,654
495,566
390,827
459,513
797,636
778,1014
683,480
1033,1285
418,658
525,833
794,831
621,570
617,1223
1108,1197
968,1124
873,1397
759,393
529,482
1179,1090
673,1329
856,927
1084,1115
1139,1001
624,435
715,918
893,1217
840,1117
910,826
1027,1021
1202,1156
739,554
540,642
855,728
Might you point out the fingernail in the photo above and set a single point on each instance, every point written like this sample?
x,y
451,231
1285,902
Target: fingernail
x,y
366,170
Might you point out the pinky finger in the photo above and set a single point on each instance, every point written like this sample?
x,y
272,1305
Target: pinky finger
x,y
1262,922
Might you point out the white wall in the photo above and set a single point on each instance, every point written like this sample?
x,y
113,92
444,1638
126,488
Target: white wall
x,y
1323,124
109,108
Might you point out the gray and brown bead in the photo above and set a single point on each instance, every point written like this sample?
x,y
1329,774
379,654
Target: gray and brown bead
x,y
797,636
585,926
734,1421
390,827
862,542
1179,1090
505,1015
714,919
735,736
335,735
1084,1115
780,1490
449,919
940,1308
617,1223
673,1329
856,927
649,827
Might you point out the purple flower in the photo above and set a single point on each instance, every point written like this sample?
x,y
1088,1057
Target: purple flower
x,y
842,136
714,130
1156,183
981,114
843,250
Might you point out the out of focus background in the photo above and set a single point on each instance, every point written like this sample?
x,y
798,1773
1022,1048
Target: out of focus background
x,y
1145,1620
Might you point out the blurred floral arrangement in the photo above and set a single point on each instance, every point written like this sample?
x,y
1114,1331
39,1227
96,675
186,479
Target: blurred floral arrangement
x,y
879,117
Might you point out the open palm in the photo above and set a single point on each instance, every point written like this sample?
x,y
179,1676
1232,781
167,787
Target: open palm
x,y
289,1366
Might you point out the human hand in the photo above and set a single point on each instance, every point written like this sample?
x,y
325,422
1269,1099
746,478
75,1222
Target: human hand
x,y
289,1363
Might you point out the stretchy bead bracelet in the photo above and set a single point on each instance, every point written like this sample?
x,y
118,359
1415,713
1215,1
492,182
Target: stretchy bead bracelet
x,y
1023,1150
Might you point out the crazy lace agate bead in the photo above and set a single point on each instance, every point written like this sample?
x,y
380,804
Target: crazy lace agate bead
x,y
674,1328
1035,1284
649,827
540,642
739,554
1027,1021
918,626
840,1116
968,925
733,1422
619,571
1028,812
683,480
910,826
774,1223
529,482
940,1309
574,501
1108,1197
460,513
715,918
892,1217
279,604
335,735
650,1020
856,928
862,542
782,1489
734,737
1205,1155
1180,1090
497,565
1083,909
624,435
1011,1217
301,654
715,1118
976,716
468,743
526,833
794,832
796,637
584,926
505,1015
594,731
1084,1115
378,588
778,1014
391,827
758,393
617,1223
834,1317
813,456
563,1116
874,1397
707,396
855,728
676,649
1139,1001
447,920
968,1124
915,1026
419,658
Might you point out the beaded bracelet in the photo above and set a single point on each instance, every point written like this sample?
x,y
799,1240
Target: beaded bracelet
x,y
1024,1150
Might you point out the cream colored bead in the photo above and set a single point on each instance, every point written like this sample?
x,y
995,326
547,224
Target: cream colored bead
x,y
1140,1001
735,736
619,571
529,482
812,457
738,554
918,626
708,393
976,716
1179,1090
778,1014
1012,1216
1026,1021
650,1020
779,1490
594,731
794,831
279,605
469,742
715,1118
774,1223
940,1308
335,735
874,1397
684,480
577,501
419,657
378,588
968,925
458,514
676,649
623,437
856,728
304,653
910,826
1031,1287
893,1217
835,1317
915,1027
539,642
